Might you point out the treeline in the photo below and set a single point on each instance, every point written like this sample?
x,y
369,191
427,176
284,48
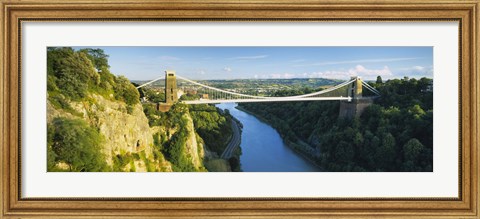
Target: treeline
x,y
72,75
393,134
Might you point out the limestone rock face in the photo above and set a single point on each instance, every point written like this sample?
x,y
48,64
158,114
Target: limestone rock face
x,y
125,128
194,149
128,136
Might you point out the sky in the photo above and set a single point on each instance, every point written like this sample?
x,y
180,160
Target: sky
x,y
209,63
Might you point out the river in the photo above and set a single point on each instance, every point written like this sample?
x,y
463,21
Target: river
x,y
263,149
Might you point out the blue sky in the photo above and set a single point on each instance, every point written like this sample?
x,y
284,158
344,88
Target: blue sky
x,y
143,63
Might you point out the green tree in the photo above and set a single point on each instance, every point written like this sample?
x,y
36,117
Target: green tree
x,y
73,73
98,58
379,80
412,149
213,126
77,144
416,111
51,156
385,154
125,91
176,153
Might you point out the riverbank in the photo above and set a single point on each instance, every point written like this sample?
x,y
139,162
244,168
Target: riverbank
x,y
300,150
262,147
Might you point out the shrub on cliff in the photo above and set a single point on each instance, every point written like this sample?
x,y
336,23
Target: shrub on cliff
x,y
71,72
75,143
125,91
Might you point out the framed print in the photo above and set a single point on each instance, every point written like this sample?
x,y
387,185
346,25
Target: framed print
x,y
251,109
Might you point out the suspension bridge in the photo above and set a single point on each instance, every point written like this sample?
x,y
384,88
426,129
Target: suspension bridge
x,y
176,86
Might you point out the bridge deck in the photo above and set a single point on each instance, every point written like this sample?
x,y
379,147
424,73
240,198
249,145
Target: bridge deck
x,y
269,99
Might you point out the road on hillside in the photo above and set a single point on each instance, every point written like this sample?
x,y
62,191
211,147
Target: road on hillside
x,y
234,141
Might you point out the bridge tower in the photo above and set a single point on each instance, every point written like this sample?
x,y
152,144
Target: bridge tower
x,y
355,89
358,104
171,91
171,94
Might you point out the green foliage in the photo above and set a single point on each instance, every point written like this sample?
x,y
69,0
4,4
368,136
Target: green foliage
x,y
120,161
125,91
217,165
148,163
412,152
174,148
155,96
71,72
75,74
51,83
75,143
394,134
54,58
97,56
296,119
159,139
404,93
155,117
51,155
107,83
141,90
235,163
132,166
171,119
176,153
60,102
188,96
213,126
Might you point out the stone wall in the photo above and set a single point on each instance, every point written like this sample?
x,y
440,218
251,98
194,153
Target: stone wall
x,y
354,108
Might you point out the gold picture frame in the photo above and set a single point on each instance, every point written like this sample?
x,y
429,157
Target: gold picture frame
x,y
14,12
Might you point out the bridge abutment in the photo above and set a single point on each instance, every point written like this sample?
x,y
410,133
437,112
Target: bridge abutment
x,y
355,108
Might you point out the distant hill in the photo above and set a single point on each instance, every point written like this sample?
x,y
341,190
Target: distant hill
x,y
259,83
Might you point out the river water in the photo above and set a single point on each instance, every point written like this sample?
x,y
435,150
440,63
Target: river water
x,y
263,149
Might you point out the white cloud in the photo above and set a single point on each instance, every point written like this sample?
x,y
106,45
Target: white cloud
x,y
282,76
227,69
362,71
202,72
415,71
277,76
357,61
418,68
249,57
359,70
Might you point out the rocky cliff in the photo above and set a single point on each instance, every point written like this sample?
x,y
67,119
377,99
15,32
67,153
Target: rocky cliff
x,y
96,121
125,129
